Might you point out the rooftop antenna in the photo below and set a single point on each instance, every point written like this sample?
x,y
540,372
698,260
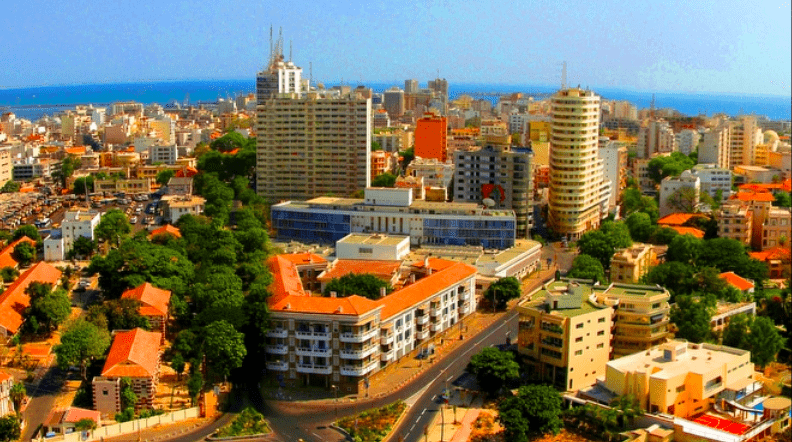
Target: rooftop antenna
x,y
652,107
272,57
563,76
310,72
290,50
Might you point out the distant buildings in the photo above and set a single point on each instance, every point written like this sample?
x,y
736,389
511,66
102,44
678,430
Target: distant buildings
x,y
714,147
579,195
656,137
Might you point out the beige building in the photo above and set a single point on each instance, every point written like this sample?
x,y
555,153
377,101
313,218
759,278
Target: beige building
x,y
735,222
745,135
131,185
394,140
686,187
714,147
578,190
777,228
630,264
565,334
614,157
656,137
174,206
6,165
6,383
641,316
679,378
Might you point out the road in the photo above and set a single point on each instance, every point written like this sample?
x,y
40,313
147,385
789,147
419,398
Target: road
x,y
311,423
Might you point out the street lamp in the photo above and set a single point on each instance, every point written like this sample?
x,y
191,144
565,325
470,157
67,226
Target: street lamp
x,y
335,392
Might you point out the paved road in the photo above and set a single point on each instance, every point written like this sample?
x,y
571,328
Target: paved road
x,y
311,423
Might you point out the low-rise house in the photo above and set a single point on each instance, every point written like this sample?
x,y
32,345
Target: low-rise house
x,y
154,305
14,300
743,285
134,354
777,259
63,420
631,264
7,253
174,206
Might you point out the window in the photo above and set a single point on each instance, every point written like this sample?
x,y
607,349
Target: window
x,y
579,339
601,332
579,325
601,320
600,345
579,352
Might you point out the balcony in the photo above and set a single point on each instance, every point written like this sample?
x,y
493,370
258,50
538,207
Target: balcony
x,y
351,370
314,369
422,319
434,311
388,356
315,351
386,339
308,334
358,337
552,328
358,354
278,366
436,327
464,309
422,334
277,349
277,333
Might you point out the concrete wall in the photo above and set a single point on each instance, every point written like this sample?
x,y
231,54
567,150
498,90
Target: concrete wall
x,y
130,427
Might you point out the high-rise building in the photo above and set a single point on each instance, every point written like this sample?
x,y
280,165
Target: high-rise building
x,y
309,143
656,137
614,162
394,102
577,186
501,174
715,147
431,137
745,135
410,86
687,140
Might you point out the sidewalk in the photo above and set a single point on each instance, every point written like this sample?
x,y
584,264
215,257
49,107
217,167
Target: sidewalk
x,y
445,427
163,432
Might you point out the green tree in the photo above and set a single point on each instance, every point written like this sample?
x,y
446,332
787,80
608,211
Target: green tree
x,y
27,230
10,186
493,368
361,284
10,428
535,410
640,226
764,341
692,318
68,165
618,234
85,424
81,342
597,245
118,314
672,165
634,201
163,176
83,246
684,199
674,276
128,396
736,332
407,157
17,395
178,364
8,274
113,226
195,385
81,183
375,146
502,291
629,407
224,347
384,180
782,199
663,235
24,253
586,267
49,307
684,249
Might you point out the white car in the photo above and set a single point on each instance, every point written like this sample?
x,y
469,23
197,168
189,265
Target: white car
x,y
134,220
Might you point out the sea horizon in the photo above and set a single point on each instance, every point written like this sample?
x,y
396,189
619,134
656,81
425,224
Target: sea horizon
x,y
35,102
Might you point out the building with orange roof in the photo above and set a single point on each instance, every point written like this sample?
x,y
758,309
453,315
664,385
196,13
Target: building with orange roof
x,y
387,271
431,137
698,233
14,300
677,219
6,382
777,259
370,333
738,282
309,266
167,229
134,354
154,303
63,420
6,255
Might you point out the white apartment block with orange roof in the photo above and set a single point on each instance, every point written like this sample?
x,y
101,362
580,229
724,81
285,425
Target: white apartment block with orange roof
x,y
341,341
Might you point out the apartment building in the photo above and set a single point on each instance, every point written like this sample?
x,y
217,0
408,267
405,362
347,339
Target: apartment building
x,y
394,140
383,162
777,228
680,378
500,174
715,181
656,137
434,173
76,223
641,316
134,354
431,137
745,135
28,169
6,165
393,102
631,264
735,221
714,147
163,153
614,167
339,342
578,190
679,194
565,335
640,171
687,140
174,206
6,383
393,211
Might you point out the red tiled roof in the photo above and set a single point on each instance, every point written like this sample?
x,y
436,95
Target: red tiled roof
x,y
737,281
286,281
351,305
154,301
4,376
14,300
166,229
781,253
676,219
75,150
6,260
424,287
186,172
435,264
381,269
71,415
698,233
762,196
304,258
134,353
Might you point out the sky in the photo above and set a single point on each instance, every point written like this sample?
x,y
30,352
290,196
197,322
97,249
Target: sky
x,y
723,46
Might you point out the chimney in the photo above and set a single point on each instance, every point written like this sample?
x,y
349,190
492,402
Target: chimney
x,y
333,294
412,278
383,292
426,261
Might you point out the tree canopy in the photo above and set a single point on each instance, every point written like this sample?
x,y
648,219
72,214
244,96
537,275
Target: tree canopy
x,y
361,284
672,165
502,291
386,179
48,308
10,428
163,176
586,267
493,368
24,253
113,226
10,186
535,410
26,230
81,342
692,317
224,347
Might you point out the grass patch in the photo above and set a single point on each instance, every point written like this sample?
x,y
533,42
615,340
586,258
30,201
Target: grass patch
x,y
248,422
373,425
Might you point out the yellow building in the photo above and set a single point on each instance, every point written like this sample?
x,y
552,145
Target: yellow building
x,y
679,378
641,316
735,221
539,131
565,335
630,264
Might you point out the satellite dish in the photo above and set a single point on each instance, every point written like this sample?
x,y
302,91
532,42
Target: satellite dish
x,y
489,202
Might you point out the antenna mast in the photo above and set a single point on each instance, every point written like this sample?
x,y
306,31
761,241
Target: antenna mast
x,y
652,107
563,76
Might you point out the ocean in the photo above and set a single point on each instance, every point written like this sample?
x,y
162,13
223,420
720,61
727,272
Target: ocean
x,y
34,102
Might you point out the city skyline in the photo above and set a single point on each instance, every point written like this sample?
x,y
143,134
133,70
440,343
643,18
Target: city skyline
x,y
716,48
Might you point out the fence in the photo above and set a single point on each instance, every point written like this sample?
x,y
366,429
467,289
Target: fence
x,y
128,427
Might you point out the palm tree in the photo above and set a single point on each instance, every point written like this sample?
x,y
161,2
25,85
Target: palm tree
x,y
629,408
17,394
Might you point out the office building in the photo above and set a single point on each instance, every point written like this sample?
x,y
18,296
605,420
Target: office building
x,y
392,211
578,190
310,144
431,137
500,177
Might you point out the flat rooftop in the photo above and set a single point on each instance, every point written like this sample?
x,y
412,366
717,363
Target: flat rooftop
x,y
373,239
697,358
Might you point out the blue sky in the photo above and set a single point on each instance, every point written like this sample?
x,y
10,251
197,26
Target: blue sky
x,y
720,46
